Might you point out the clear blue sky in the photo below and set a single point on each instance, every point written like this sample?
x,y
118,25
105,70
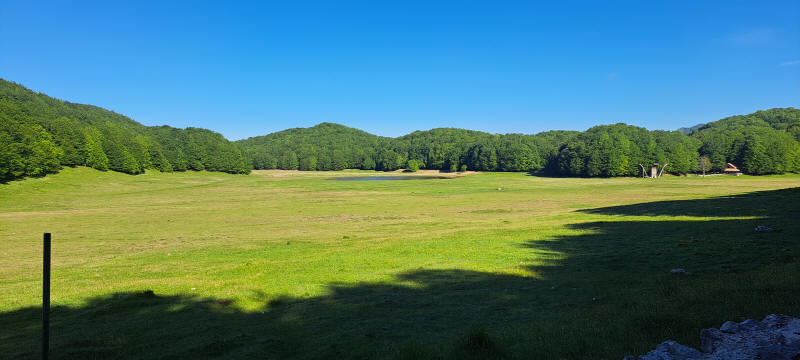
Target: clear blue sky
x,y
391,67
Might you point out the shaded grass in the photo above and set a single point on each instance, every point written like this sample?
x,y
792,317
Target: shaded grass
x,y
298,267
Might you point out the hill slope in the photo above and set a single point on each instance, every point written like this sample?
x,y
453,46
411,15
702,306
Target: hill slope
x,y
326,146
764,142
39,134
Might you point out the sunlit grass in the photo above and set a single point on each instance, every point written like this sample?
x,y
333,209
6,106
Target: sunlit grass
x,y
427,259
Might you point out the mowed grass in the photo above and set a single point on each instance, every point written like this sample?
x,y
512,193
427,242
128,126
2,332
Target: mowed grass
x,y
293,265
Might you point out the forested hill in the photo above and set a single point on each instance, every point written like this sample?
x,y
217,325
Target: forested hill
x,y
40,134
334,147
325,146
765,142
609,150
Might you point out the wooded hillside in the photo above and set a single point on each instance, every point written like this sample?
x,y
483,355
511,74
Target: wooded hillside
x,y
765,142
40,134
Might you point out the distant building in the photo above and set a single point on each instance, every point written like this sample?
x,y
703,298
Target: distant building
x,y
732,170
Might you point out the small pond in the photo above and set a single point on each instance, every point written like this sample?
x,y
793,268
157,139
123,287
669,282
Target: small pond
x,y
380,178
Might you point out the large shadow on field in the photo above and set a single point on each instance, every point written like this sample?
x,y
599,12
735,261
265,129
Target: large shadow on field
x,y
701,235
607,293
770,204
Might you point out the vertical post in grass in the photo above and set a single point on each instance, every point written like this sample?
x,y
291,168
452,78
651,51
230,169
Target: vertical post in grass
x,y
46,297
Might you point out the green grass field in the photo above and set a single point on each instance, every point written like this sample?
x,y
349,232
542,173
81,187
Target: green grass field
x,y
292,265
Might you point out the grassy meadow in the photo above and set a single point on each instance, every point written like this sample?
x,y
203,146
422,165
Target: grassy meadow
x,y
282,264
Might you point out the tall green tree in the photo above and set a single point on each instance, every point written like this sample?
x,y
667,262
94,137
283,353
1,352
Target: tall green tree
x,y
93,148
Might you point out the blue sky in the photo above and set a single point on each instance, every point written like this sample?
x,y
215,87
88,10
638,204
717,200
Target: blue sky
x,y
390,67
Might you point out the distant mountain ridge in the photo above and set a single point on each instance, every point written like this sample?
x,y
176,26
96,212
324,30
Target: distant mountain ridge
x,y
688,130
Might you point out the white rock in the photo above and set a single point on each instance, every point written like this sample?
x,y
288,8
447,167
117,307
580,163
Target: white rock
x,y
776,337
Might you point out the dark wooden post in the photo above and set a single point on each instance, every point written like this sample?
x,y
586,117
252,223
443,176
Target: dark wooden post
x,y
46,298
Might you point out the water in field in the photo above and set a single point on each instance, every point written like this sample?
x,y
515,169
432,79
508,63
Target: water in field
x,y
379,178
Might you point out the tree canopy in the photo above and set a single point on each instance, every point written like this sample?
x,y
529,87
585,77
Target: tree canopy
x,y
40,134
619,149
765,142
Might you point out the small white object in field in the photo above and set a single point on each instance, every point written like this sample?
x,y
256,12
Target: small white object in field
x,y
499,189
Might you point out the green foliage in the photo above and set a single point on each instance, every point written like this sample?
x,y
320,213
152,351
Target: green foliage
x,y
413,165
335,147
37,128
26,150
39,134
67,135
338,147
339,161
93,148
367,163
617,150
389,161
308,163
609,150
517,154
765,142
288,161
128,164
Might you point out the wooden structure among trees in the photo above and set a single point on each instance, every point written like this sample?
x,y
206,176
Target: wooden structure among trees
x,y
654,172
732,169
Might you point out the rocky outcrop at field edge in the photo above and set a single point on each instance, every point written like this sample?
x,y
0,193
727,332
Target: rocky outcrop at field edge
x,y
777,337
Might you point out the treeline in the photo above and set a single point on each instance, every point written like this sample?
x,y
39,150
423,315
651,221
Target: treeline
x,y
618,150
40,134
330,146
461,150
765,142
323,147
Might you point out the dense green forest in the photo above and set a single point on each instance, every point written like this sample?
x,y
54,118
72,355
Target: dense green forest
x,y
323,147
765,142
40,134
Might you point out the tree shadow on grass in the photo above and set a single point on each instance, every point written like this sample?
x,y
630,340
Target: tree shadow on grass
x,y
608,295
772,204
703,235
